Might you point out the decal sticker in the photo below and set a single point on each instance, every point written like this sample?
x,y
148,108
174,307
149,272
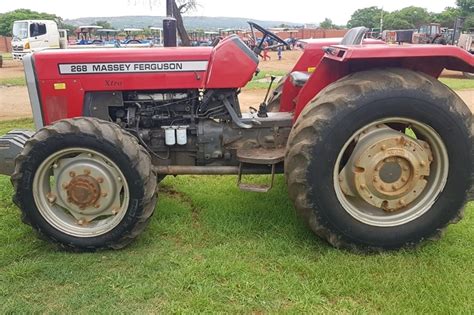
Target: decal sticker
x,y
133,67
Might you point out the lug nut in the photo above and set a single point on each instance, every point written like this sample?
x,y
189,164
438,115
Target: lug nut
x,y
383,147
362,186
401,202
404,179
55,165
422,163
119,179
104,194
51,198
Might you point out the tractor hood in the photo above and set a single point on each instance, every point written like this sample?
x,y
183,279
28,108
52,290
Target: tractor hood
x,y
231,64
59,80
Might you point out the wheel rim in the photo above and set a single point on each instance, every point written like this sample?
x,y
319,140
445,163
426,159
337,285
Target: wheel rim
x,y
391,172
81,192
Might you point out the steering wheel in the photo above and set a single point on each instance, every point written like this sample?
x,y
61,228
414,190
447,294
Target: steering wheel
x,y
266,33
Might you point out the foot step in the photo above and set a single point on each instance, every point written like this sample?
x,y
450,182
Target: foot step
x,y
260,156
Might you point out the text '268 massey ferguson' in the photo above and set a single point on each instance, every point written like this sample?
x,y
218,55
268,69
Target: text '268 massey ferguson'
x,y
377,153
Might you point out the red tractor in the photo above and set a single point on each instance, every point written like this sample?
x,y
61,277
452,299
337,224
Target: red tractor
x,y
376,152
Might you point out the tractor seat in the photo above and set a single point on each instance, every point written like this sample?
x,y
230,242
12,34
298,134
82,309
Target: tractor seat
x,y
355,36
299,78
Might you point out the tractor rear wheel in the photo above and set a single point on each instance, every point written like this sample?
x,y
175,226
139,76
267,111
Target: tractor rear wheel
x,y
381,160
85,184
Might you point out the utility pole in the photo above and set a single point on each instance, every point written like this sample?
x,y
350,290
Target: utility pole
x,y
381,22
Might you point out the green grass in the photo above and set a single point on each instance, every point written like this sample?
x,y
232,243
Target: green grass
x,y
256,85
265,74
7,56
19,81
25,123
458,84
211,248
455,84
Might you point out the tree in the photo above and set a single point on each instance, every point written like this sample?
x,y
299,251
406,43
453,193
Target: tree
x,y
448,17
466,6
327,24
7,19
415,16
393,21
104,24
69,27
181,7
368,17
407,18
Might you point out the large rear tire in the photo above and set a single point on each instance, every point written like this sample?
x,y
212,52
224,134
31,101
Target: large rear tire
x,y
85,184
381,160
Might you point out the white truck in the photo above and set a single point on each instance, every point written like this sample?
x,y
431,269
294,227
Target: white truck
x,y
466,41
34,35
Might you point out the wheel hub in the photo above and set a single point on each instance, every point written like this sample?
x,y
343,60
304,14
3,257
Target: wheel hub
x,y
83,191
387,169
87,187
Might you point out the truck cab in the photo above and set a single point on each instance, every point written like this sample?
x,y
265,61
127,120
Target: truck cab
x,y
33,35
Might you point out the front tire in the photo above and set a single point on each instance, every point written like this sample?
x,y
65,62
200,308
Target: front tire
x,y
85,184
381,160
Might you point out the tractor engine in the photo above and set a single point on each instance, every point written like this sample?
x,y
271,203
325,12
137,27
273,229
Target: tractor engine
x,y
185,127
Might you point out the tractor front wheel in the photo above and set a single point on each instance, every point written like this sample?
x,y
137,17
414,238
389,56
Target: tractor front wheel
x,y
85,184
381,160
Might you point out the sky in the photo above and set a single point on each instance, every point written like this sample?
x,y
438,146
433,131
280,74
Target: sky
x,y
297,11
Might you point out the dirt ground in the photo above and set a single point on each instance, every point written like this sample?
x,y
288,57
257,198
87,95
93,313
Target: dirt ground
x,y
14,101
11,69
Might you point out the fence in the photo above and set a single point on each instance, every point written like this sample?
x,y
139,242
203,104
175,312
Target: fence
x,y
5,44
